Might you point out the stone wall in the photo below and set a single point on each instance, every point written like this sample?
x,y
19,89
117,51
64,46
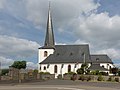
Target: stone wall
x,y
93,77
25,75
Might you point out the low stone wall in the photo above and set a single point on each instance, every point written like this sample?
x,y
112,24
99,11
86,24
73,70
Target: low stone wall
x,y
46,76
5,77
92,77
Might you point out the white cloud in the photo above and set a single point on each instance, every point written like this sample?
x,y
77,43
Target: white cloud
x,y
76,16
114,54
16,47
37,10
5,62
60,43
31,65
101,31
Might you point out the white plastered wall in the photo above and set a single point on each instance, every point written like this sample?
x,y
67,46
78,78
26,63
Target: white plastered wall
x,y
41,56
60,70
107,65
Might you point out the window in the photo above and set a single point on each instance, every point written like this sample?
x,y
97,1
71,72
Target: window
x,y
97,59
45,53
58,54
69,68
44,67
40,67
103,66
110,67
71,54
55,69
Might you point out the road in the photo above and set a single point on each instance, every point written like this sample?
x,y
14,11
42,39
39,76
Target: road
x,y
62,85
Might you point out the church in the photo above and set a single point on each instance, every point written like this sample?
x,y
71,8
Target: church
x,y
61,59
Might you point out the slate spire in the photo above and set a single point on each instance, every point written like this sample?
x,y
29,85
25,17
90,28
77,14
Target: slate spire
x,y
49,40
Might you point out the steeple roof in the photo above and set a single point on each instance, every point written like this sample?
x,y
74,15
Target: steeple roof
x,y
49,40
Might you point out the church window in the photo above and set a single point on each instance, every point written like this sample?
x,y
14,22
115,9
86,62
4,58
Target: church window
x,y
58,54
110,67
40,67
55,69
45,53
71,54
44,67
69,68
103,66
97,59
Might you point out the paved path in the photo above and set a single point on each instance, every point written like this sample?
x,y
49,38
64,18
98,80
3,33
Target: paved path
x,y
62,85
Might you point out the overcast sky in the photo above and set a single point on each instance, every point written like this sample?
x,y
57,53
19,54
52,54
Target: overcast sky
x,y
23,27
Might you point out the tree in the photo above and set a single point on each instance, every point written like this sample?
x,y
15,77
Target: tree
x,y
4,72
114,70
80,71
83,69
19,64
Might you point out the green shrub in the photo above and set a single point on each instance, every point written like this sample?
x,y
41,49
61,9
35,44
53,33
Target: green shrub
x,y
80,71
117,79
44,73
4,72
100,78
104,73
96,72
59,76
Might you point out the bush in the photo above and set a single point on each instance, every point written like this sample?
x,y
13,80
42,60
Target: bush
x,y
104,73
96,72
44,73
80,71
4,72
59,76
117,79
100,78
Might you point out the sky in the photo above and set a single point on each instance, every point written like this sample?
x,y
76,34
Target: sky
x,y
23,27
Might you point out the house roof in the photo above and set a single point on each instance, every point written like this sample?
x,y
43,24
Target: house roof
x,y
68,54
97,67
102,58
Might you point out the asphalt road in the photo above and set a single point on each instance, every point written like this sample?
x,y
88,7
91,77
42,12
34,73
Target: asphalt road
x,y
62,85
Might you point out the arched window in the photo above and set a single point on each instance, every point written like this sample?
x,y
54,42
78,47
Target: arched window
x,y
110,67
69,68
40,67
44,67
45,53
55,69
103,66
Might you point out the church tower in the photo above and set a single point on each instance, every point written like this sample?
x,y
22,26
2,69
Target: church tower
x,y
49,44
49,40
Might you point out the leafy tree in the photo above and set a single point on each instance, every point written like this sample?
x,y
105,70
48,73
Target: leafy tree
x,y
19,64
83,69
4,72
114,70
80,71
